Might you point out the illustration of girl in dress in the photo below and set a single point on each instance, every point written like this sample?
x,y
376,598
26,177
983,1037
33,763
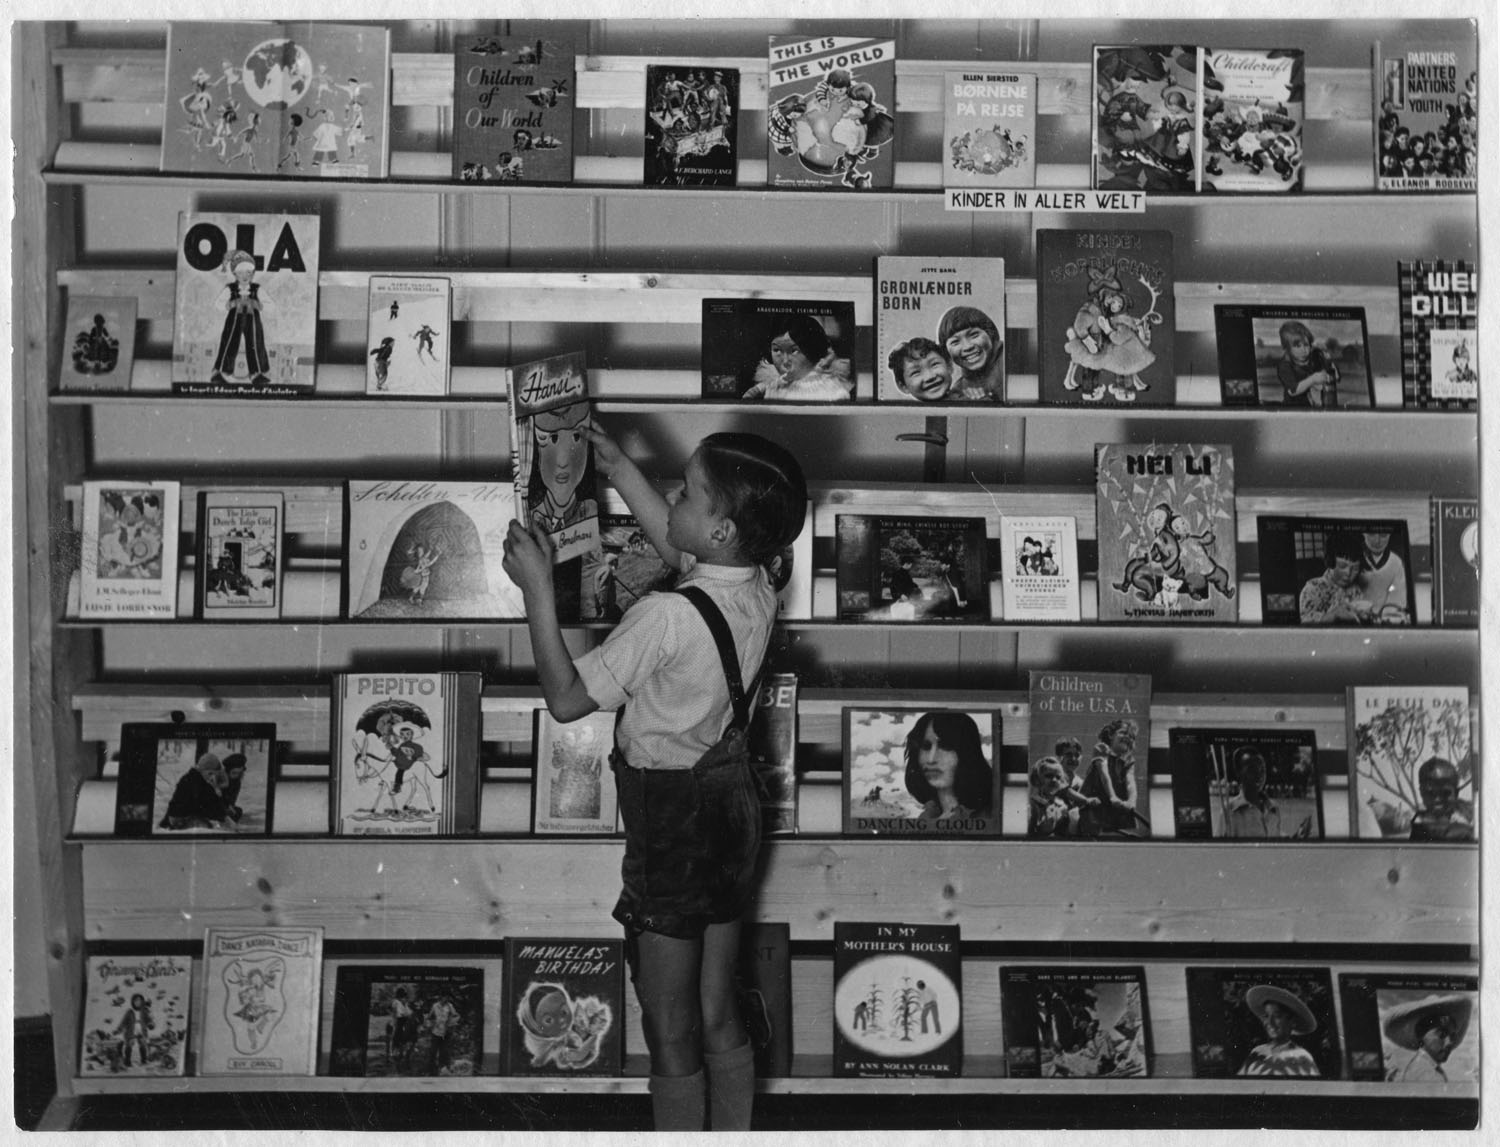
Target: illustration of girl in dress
x,y
1106,337
416,577
259,1011
242,323
196,104
96,351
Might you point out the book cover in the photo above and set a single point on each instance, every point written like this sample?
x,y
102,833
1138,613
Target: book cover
x,y
692,118
1455,561
625,570
1262,1022
1411,1027
417,550
1253,101
792,574
921,772
1439,313
831,103
1245,784
1106,317
912,569
573,787
940,329
98,343
1334,571
135,1015
989,129
128,559
1071,1022
1427,116
261,1001
786,350
407,1020
246,317
1146,119
1413,769
195,778
240,554
897,1000
1039,568
772,744
763,987
1166,530
1088,746
409,336
513,104
563,1007
405,754
1302,357
552,461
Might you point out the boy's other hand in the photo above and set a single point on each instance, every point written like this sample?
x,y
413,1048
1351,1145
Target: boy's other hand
x,y
528,558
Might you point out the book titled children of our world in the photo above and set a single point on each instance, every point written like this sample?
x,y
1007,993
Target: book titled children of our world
x,y
128,557
261,1001
912,771
513,105
239,573
897,1000
409,335
135,1015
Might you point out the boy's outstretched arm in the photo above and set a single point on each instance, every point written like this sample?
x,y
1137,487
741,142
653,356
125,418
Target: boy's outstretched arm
x,y
528,561
644,499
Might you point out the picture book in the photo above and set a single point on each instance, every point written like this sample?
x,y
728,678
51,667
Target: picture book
x,y
772,744
1262,1022
407,1020
128,555
1455,561
1147,111
1253,109
1107,317
939,329
989,129
1245,784
763,987
98,343
783,350
256,98
409,337
912,569
551,460
1439,313
246,317
195,778
1334,571
261,996
1088,750
418,550
135,1015
405,754
1427,115
831,103
897,1000
625,570
1301,357
911,771
1403,1027
692,120
239,571
513,103
573,787
563,1006
1166,529
1413,766
1039,568
1072,1022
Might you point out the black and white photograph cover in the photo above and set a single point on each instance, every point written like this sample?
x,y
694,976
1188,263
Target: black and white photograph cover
x,y
1335,571
911,771
778,350
900,569
1411,1027
1300,358
1245,784
407,1020
201,779
1067,1021
1258,1023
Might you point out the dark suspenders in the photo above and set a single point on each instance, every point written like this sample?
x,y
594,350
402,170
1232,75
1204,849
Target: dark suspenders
x,y
717,626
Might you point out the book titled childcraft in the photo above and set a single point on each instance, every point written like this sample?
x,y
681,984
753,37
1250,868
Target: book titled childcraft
x,y
1069,1022
1411,1027
1146,117
260,1001
1413,772
552,460
201,778
573,787
1300,357
772,745
1427,115
239,554
405,754
1439,312
989,129
1039,568
1252,119
407,1020
1455,561
911,569
409,335
563,1006
830,112
1335,571
763,986
940,329
1245,784
135,1015
921,772
98,343
1262,1022
513,105
692,117
128,556
897,1000
785,350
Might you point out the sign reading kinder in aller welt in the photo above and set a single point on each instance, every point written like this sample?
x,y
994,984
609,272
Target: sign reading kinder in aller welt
x,y
1042,199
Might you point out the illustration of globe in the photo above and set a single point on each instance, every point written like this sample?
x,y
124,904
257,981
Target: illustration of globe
x,y
277,73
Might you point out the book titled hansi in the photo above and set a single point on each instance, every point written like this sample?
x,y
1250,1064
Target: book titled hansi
x,y
1245,784
1413,767
98,343
1335,571
417,550
1166,530
405,754
1039,568
1301,357
573,787
277,99
246,317
912,771
407,1020
939,329
1439,312
1252,116
897,1000
784,350
989,129
1455,561
1405,1027
128,557
912,569
1262,1022
692,117
513,105
1087,755
763,988
195,778
831,103
772,745
409,336
239,571
260,1001
552,459
563,1007
135,1015
1070,1022
1427,115
1107,317
1146,118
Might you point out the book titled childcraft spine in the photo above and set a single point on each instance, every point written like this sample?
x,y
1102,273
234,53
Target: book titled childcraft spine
x,y
830,112
1455,561
989,129
260,1001
897,1000
939,329
563,1007
1439,312
1426,116
513,105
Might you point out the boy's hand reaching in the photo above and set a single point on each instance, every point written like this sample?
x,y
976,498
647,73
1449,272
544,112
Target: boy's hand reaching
x,y
528,558
607,453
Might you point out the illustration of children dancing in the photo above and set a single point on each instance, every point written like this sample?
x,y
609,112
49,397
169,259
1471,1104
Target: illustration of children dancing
x,y
1104,337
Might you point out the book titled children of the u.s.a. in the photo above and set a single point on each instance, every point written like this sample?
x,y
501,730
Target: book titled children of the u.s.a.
x,y
1039,568
989,129
897,1000
831,104
1426,115
939,329
513,105
692,117
1455,561
552,460
128,557
239,574
1413,768
135,1015
1252,119
261,1001
563,1007
409,337
1439,313
1075,1022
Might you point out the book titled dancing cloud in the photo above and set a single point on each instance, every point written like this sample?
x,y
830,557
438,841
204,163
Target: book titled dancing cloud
x,y
1402,1027
989,129
407,1020
128,558
1245,784
897,1000
831,103
1071,1022
912,771
135,1015
260,1001
939,329
1413,771
563,1007
1257,1023
513,105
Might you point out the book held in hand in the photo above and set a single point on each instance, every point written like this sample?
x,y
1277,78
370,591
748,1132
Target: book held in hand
x,y
128,556
1439,313
563,1007
1251,119
1257,1023
1300,357
1426,115
1413,769
195,778
1335,571
779,350
573,787
407,1020
240,538
98,343
921,772
1146,118
1411,1027
1245,784
897,1000
513,105
261,1001
1039,568
912,569
1455,561
831,103
939,329
552,460
989,129
692,119
135,1015
1071,1022
409,337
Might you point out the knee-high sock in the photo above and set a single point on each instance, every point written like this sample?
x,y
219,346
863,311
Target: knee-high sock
x,y
677,1102
731,1088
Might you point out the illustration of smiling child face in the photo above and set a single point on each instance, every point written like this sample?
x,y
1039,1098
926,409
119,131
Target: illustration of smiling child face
x,y
562,449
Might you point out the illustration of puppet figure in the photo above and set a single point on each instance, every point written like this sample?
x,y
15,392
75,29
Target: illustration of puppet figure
x,y
1200,569
562,463
834,129
1145,572
417,575
1106,337
1145,146
254,1003
242,324
560,1031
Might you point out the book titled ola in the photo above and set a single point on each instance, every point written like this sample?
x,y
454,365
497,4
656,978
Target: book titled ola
x,y
513,105
408,336
1455,561
897,1000
989,129
239,554
135,1015
563,1007
940,329
1439,313
1427,115
830,111
128,557
260,1001
1413,772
